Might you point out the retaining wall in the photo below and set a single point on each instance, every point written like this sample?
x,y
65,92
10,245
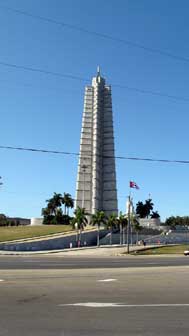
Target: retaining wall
x,y
87,239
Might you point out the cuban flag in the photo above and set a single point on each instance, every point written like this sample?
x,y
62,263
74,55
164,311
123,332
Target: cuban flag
x,y
134,185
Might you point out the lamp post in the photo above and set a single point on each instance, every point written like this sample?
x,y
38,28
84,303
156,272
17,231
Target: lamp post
x,y
84,167
120,233
77,234
124,230
128,225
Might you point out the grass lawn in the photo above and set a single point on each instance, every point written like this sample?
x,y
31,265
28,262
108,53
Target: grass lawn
x,y
177,249
19,232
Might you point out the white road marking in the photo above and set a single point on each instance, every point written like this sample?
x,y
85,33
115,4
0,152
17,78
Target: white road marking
x,y
107,280
51,264
2,280
31,261
92,304
121,305
151,263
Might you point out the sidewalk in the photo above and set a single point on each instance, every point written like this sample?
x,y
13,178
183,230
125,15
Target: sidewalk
x,y
104,250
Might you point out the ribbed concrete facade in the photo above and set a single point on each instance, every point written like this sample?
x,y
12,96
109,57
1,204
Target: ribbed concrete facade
x,y
96,179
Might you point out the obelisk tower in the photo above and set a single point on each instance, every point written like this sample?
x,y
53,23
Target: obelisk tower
x,y
96,179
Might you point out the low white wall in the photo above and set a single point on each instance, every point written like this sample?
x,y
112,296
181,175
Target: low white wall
x,y
153,223
36,221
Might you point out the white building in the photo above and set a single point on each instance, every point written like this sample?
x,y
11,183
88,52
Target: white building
x,y
151,223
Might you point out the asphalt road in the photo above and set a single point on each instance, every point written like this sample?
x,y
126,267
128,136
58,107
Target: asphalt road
x,y
65,262
90,302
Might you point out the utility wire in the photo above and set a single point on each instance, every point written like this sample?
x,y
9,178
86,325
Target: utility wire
x,y
89,156
97,34
153,93
43,71
38,150
16,84
73,77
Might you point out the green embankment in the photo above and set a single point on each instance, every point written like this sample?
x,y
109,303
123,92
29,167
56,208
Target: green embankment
x,y
21,232
175,249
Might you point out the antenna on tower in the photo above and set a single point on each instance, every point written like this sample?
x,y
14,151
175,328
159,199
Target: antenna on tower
x,y
98,70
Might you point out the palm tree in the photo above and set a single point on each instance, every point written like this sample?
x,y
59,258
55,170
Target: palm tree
x,y
59,216
97,219
80,219
155,214
122,222
137,227
111,223
54,203
53,212
51,206
47,215
45,211
141,209
149,206
144,209
68,202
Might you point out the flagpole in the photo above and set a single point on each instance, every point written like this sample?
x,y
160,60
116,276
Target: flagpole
x,y
128,224
132,184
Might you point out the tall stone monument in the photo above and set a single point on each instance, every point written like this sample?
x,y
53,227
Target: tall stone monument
x,y
96,178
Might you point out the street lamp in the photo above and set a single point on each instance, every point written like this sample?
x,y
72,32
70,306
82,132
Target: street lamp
x,y
84,167
128,224
77,234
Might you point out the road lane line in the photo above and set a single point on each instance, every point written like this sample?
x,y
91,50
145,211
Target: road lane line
x,y
151,263
107,280
123,305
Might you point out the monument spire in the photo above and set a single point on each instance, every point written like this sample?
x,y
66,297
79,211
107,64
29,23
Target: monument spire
x,y
98,71
96,179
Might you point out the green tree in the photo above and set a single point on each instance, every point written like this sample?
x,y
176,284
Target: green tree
x,y
137,227
170,221
47,215
54,203
143,210
17,222
80,220
68,202
53,213
98,219
186,221
149,206
155,214
111,224
122,223
3,220
177,221
59,216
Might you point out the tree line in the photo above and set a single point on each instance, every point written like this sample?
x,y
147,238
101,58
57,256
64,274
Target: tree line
x,y
5,221
145,210
57,212
176,221
57,209
99,219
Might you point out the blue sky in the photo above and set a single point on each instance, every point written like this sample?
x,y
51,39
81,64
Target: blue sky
x,y
43,111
